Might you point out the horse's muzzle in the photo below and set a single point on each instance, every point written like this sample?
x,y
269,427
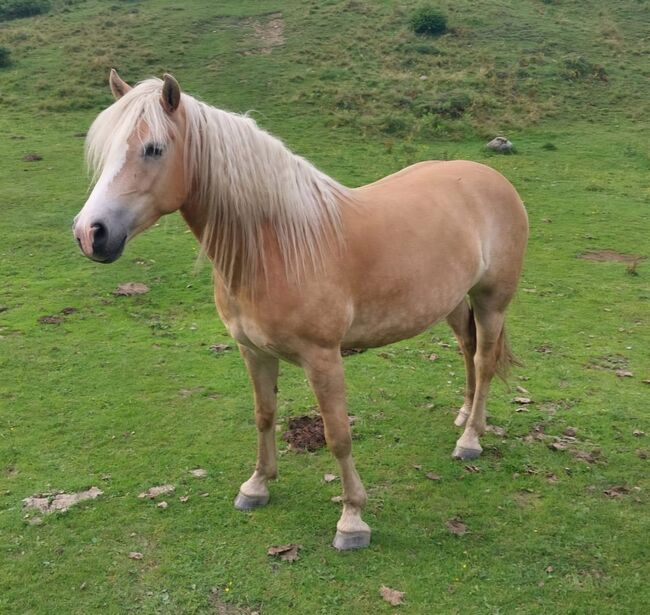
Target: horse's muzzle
x,y
98,244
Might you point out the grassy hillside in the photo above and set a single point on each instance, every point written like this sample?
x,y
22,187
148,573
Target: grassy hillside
x,y
124,393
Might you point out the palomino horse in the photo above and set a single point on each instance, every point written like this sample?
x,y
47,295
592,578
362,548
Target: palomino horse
x,y
305,266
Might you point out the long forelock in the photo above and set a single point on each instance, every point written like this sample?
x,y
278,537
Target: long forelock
x,y
114,126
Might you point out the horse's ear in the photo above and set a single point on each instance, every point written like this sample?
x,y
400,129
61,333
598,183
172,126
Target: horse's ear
x,y
118,87
171,94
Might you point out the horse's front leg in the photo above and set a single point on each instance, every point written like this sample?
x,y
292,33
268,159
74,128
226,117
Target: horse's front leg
x,y
324,368
263,372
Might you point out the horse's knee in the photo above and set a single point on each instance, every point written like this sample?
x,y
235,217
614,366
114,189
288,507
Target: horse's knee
x,y
264,419
340,444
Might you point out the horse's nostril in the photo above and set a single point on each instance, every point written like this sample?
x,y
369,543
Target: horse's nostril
x,y
100,235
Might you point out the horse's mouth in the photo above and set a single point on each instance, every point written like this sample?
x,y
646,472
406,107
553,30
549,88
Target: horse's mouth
x,y
108,254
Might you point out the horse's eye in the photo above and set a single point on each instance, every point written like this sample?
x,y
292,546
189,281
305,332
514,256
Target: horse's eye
x,y
152,150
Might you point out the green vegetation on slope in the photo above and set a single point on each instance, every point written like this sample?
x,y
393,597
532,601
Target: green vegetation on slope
x,y
125,394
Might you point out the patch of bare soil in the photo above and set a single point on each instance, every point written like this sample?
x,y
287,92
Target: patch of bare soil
x,y
306,433
221,607
287,553
32,158
456,526
608,256
129,289
392,596
50,502
154,492
269,33
50,320
614,362
527,499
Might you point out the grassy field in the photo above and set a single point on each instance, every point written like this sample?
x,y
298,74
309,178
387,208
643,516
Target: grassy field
x,y
125,393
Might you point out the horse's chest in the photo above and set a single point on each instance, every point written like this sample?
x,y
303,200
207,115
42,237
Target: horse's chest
x,y
243,326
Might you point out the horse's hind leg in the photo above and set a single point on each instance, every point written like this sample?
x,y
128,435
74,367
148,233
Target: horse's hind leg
x,y
324,368
461,320
490,346
263,372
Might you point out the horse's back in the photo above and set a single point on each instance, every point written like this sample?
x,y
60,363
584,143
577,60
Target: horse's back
x,y
419,240
441,208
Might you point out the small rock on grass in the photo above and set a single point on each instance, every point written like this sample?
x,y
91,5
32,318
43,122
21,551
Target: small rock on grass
x,y
434,477
392,596
502,145
198,473
330,478
135,555
623,373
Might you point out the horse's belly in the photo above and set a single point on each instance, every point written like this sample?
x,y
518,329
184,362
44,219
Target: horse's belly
x,y
382,324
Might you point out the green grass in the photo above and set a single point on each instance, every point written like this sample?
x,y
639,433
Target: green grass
x,y
125,394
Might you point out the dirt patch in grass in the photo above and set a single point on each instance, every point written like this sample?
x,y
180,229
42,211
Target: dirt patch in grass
x,y
129,289
49,502
617,363
608,256
306,433
154,492
221,607
32,158
268,33
50,320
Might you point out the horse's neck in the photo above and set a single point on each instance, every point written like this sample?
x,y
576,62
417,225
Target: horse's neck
x,y
196,217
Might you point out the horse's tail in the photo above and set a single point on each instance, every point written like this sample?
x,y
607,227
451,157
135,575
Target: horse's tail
x,y
505,358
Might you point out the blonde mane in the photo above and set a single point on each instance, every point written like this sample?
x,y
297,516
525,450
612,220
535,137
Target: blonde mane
x,y
243,180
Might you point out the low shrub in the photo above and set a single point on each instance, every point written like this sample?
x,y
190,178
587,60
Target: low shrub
x,y
395,125
15,9
452,105
428,21
578,67
5,57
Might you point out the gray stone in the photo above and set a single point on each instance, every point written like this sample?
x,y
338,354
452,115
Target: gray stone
x,y
500,144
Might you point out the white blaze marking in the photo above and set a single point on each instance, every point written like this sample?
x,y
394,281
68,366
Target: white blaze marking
x,y
95,207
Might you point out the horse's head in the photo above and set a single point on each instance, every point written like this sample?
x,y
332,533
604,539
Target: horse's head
x,y
135,148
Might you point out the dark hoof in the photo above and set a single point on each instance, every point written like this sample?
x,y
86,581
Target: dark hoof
x,y
249,502
346,541
466,453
